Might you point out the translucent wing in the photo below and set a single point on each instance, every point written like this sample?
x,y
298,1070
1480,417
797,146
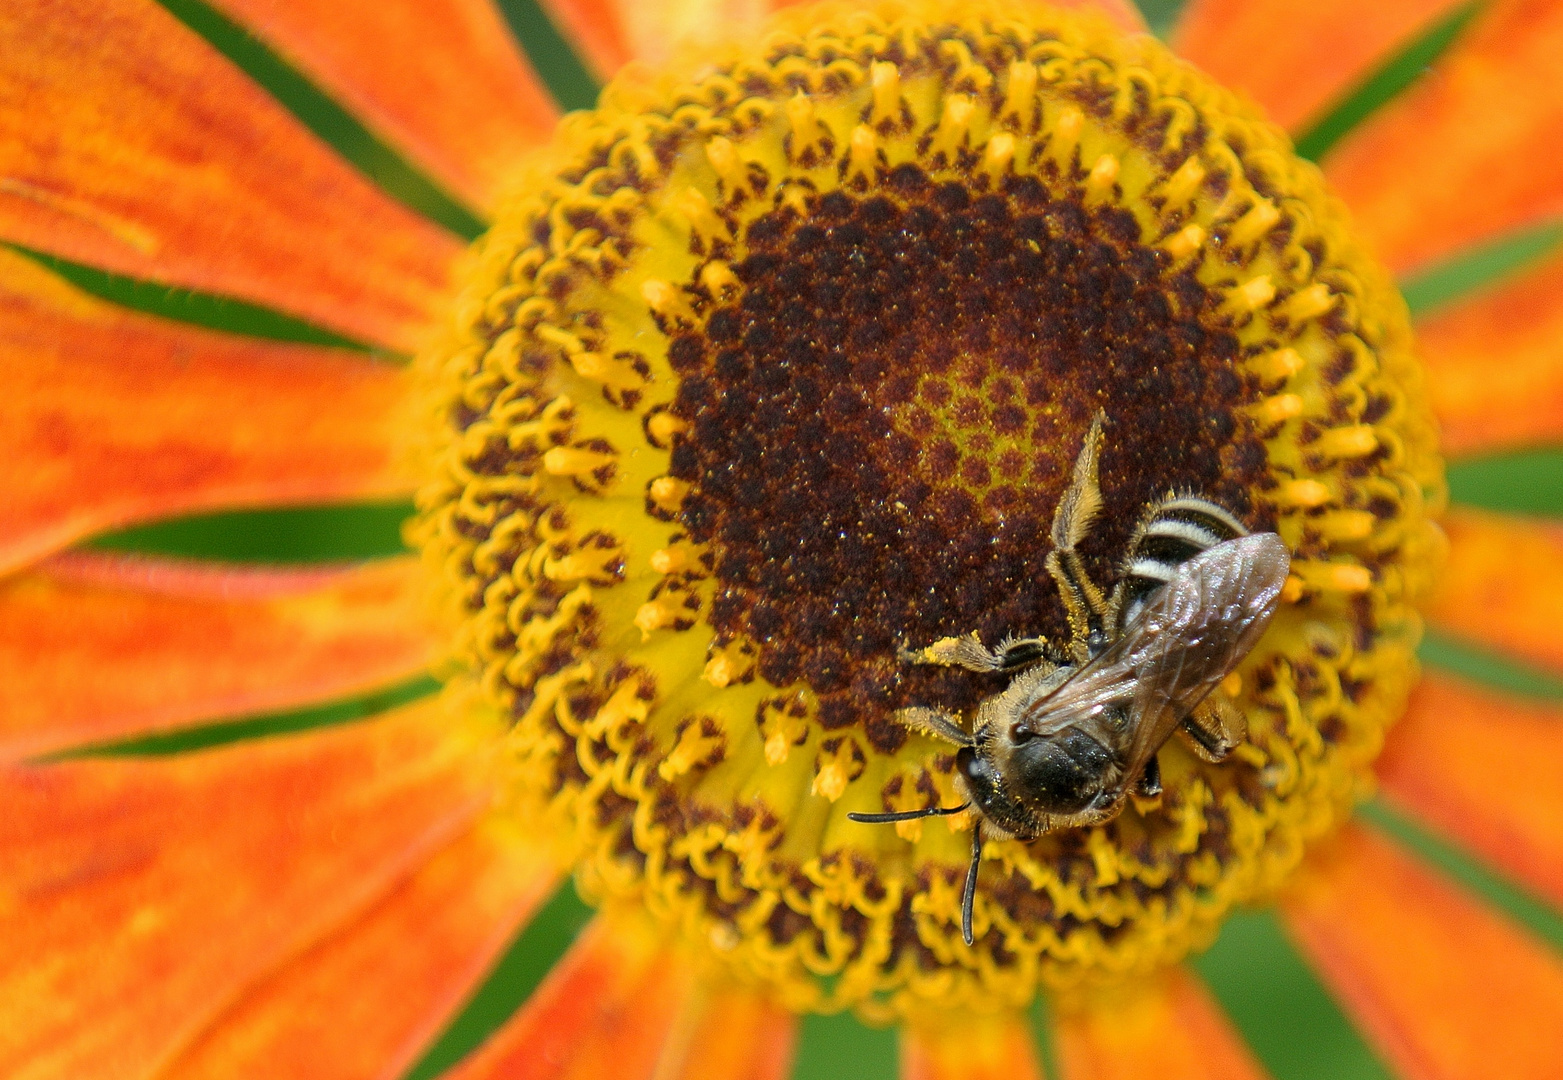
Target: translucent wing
x,y
1189,637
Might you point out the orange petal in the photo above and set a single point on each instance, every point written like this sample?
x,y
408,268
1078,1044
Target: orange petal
x,y
1170,1029
366,1002
130,144
439,79
96,646
143,896
1492,364
607,1009
1501,585
610,33
1473,151
969,1047
1297,60
109,417
1482,767
1442,987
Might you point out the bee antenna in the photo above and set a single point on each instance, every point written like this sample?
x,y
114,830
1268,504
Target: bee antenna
x,y
969,894
907,815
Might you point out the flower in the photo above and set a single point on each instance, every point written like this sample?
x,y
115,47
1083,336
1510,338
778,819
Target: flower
x,y
320,904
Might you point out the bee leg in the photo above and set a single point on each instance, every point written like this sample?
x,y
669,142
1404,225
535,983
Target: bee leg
x,y
1215,727
969,893
1149,784
939,724
968,652
1084,603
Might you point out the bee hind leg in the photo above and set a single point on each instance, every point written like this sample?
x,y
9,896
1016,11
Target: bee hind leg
x,y
969,652
1087,608
1215,727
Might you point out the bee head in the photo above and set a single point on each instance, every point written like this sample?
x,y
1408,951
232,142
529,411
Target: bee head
x,y
1060,774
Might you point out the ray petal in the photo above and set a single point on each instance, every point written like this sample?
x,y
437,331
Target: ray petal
x,y
363,1004
610,33
1172,1029
1500,585
131,145
439,79
96,647
142,896
969,1047
1327,48
1471,151
609,1008
1481,767
109,417
1492,364
1443,987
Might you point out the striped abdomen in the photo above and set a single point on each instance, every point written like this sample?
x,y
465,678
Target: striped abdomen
x,y
1173,532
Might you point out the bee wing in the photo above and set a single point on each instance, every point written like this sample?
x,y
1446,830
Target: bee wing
x,y
1189,637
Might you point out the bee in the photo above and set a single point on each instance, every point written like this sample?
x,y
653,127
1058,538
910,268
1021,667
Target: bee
x,y
1078,728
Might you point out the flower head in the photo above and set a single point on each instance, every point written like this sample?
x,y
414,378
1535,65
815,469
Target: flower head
x,y
827,379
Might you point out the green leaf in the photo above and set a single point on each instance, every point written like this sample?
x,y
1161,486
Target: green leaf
x,y
1530,912
289,535
1489,667
201,309
1283,1012
1480,267
359,707
1522,482
1397,73
333,124
536,949
1161,16
842,1047
553,57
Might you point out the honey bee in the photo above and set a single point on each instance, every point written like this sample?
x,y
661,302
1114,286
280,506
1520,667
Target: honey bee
x,y
1077,729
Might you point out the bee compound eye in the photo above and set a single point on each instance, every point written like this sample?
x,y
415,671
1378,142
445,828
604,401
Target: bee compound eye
x,y
1061,774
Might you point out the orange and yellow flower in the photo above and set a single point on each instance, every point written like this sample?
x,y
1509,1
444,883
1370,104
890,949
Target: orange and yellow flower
x,y
321,904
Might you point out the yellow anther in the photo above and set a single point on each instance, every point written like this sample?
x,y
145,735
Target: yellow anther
x,y
1278,409
998,156
1065,135
1250,296
1232,685
629,704
784,724
1102,179
730,168
1183,184
807,130
838,764
727,665
708,227
667,493
1183,243
954,125
1292,590
1302,494
609,371
1020,97
1357,440
1346,578
656,615
1254,224
1309,303
662,426
597,565
567,341
863,154
698,744
575,461
719,279
886,79
1277,365
1345,525
667,301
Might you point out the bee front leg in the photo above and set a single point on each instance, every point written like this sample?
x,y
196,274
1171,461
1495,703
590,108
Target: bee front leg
x,y
935,722
1215,727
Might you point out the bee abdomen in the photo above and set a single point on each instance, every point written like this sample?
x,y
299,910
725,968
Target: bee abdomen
x,y
1173,532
